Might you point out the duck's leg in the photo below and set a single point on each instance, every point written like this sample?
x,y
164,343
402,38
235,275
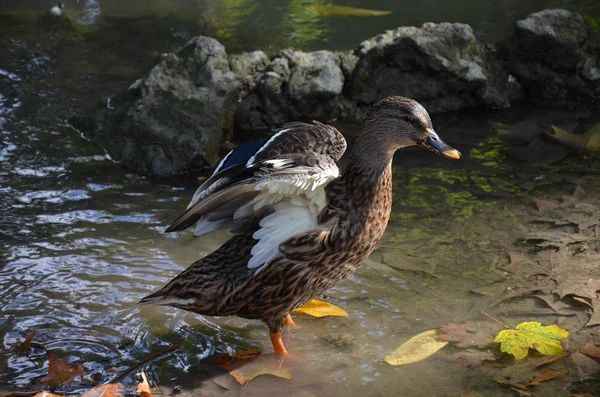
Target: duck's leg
x,y
275,327
278,346
289,321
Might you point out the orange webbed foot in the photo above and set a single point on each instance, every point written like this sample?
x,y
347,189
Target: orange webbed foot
x,y
289,321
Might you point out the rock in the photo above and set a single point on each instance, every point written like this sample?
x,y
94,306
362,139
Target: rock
x,y
297,86
175,118
554,54
248,67
443,66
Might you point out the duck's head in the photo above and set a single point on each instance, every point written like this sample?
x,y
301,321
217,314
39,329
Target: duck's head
x,y
400,122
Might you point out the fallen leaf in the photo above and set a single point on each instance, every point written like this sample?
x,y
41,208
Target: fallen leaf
x,y
143,388
595,317
590,140
472,358
332,10
555,304
464,336
590,349
24,348
417,348
60,372
524,374
47,394
247,365
555,238
107,390
585,301
578,286
531,335
582,367
317,308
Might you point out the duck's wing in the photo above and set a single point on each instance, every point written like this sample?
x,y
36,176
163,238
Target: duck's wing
x,y
251,179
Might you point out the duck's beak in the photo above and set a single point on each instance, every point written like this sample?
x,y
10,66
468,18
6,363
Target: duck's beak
x,y
433,142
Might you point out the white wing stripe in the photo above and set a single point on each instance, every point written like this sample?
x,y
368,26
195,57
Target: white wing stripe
x,y
263,147
222,162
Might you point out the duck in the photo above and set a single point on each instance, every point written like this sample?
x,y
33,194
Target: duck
x,y
298,225
57,10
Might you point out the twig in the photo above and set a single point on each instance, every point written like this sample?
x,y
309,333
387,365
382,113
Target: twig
x,y
496,320
142,363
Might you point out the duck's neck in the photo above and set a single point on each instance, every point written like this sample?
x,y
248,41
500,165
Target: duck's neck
x,y
367,180
370,157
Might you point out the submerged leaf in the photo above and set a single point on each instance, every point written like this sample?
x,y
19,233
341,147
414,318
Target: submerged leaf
x,y
590,349
417,348
524,374
317,308
60,372
464,336
247,365
332,10
531,335
472,358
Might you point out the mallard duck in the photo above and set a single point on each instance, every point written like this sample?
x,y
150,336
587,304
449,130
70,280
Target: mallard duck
x,y
299,226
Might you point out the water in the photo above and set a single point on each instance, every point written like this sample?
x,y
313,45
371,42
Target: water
x,y
82,237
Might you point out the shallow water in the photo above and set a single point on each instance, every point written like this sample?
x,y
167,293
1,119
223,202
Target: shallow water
x,y
82,237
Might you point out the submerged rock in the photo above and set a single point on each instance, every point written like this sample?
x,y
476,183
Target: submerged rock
x,y
296,86
554,54
443,66
176,117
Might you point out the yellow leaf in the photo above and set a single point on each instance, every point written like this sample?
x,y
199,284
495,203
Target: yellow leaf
x,y
568,138
417,348
332,10
247,365
531,335
317,308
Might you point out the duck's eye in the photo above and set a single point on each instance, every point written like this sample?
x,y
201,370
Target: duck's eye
x,y
407,119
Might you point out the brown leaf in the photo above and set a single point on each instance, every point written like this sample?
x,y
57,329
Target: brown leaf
x,y
24,348
60,372
463,336
595,318
590,349
555,304
472,358
143,388
524,374
583,287
585,301
542,376
247,365
107,390
577,195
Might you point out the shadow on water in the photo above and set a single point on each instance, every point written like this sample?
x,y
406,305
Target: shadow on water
x,y
82,237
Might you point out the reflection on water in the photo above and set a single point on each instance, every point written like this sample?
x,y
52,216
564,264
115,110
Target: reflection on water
x,y
273,24
82,237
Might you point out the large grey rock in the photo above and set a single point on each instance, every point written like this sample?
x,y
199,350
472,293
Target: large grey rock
x,y
176,117
296,86
441,65
554,54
